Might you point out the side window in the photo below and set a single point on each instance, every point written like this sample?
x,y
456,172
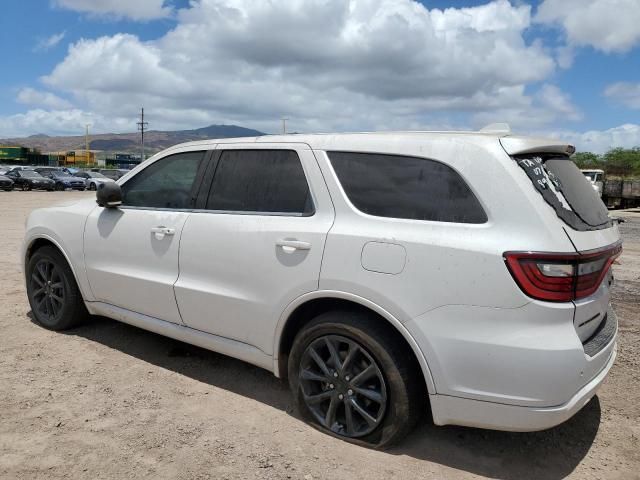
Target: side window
x,y
406,187
166,183
261,181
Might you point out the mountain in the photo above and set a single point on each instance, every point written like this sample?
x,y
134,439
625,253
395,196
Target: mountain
x,y
154,140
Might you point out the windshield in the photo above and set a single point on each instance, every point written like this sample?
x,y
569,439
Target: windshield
x,y
96,175
592,176
60,174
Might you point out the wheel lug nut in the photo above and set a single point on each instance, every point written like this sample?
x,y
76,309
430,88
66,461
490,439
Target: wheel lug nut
x,y
335,374
350,392
331,386
347,378
340,396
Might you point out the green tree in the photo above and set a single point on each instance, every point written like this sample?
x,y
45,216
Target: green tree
x,y
587,160
623,161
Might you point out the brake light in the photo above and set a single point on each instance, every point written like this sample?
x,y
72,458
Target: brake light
x,y
561,277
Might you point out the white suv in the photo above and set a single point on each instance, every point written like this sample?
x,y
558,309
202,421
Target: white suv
x,y
380,272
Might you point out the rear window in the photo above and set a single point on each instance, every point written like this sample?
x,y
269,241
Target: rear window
x,y
406,187
564,187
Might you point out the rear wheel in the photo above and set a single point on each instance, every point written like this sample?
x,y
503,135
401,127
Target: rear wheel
x,y
92,186
53,294
59,186
354,380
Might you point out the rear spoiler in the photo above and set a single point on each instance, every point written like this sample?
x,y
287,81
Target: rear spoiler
x,y
524,145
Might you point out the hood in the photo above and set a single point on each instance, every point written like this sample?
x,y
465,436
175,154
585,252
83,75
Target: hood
x,y
70,179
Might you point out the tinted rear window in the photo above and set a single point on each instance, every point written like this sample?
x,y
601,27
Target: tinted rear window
x,y
564,187
406,187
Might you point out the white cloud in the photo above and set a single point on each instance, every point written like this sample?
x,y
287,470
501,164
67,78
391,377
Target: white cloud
x,y
527,114
134,9
326,64
607,25
625,93
599,141
56,122
30,96
48,43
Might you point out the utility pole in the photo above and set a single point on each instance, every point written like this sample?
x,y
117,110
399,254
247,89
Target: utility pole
x,y
86,143
284,125
142,126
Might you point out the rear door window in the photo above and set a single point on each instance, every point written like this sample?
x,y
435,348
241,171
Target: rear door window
x,y
398,186
564,187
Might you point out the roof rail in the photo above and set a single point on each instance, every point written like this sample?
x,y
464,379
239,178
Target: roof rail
x,y
496,128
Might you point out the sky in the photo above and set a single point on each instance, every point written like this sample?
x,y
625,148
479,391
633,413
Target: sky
x,y
562,68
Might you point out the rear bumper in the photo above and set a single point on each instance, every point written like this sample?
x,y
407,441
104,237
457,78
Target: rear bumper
x,y
448,410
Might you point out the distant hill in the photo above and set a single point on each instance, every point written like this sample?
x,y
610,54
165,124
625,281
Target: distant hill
x,y
154,140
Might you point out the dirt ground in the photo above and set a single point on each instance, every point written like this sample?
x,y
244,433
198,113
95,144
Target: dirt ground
x,y
107,400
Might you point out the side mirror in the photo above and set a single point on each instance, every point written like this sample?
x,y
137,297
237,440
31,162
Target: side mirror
x,y
109,195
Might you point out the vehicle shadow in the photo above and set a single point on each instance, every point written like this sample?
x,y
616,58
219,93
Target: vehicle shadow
x,y
550,454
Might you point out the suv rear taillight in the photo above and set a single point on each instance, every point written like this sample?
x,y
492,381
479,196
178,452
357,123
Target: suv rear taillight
x,y
561,277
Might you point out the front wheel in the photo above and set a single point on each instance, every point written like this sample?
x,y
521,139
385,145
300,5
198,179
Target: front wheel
x,y
56,301
59,187
354,379
92,187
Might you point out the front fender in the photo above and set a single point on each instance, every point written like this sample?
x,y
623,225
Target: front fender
x,y
64,228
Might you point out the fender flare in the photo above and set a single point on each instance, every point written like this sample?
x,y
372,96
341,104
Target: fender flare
x,y
318,294
43,236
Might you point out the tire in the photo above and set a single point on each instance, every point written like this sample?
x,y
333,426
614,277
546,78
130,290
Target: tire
x,y
64,308
59,187
92,186
394,394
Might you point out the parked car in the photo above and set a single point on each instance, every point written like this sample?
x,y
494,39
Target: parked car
x,y
64,181
30,180
112,174
93,179
19,168
380,273
6,183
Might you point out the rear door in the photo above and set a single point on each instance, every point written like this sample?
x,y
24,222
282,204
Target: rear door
x,y
255,242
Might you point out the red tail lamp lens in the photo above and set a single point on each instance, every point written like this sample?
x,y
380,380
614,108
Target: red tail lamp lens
x,y
561,277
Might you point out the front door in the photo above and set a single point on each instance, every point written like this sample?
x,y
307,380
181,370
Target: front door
x,y
131,252
256,244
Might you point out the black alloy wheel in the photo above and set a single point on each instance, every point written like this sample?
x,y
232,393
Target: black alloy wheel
x,y
47,289
59,187
354,377
343,386
56,301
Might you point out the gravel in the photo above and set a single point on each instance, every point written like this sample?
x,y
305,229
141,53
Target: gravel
x,y
107,400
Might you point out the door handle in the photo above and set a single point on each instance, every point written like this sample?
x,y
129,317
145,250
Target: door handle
x,y
291,246
160,232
